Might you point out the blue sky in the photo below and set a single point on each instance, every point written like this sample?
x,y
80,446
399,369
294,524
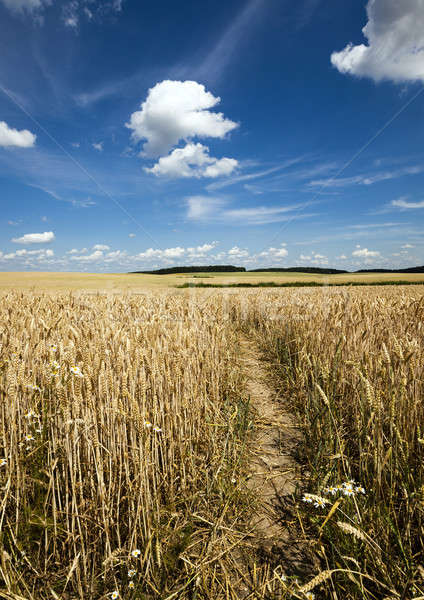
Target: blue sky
x,y
137,135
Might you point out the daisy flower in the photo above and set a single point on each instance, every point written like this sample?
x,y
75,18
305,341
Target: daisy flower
x,y
135,553
53,348
131,585
34,388
348,489
132,573
29,438
359,490
147,424
31,415
309,596
307,498
157,429
114,595
76,371
3,462
320,503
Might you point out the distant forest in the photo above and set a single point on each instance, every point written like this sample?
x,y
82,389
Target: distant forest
x,y
202,269
232,269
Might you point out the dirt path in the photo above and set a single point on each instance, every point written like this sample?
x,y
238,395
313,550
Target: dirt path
x,y
275,473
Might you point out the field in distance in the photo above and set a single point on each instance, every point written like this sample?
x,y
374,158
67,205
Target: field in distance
x,y
123,282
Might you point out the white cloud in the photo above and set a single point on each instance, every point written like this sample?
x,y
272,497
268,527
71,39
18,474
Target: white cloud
x,y
40,255
203,207
178,252
315,258
13,137
407,246
192,161
368,179
25,5
174,111
97,255
342,257
116,254
402,203
275,252
98,146
101,247
365,253
395,43
237,252
75,144
131,235
35,238
212,209
76,251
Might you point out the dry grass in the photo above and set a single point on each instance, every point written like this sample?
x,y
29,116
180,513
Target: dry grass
x,y
350,365
118,283
98,482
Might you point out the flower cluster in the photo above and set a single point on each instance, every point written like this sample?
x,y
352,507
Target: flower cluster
x,y
55,368
76,371
316,500
149,425
348,488
34,388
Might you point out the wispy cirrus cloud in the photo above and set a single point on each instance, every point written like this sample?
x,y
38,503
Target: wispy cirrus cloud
x,y
255,175
218,210
368,179
402,203
212,67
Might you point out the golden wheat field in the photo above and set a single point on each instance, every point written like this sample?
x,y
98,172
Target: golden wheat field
x,y
126,436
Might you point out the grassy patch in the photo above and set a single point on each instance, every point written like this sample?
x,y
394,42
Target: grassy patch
x,y
294,284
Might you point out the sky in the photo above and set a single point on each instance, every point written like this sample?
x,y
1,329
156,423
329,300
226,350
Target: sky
x,y
261,133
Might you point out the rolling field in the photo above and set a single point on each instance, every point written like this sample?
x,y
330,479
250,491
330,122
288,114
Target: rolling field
x,y
117,283
127,435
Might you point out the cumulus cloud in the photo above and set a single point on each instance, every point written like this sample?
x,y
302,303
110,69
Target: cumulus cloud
x,y
275,252
76,251
395,43
365,253
402,203
13,137
315,258
41,254
192,161
97,255
178,252
101,247
131,235
35,238
98,146
174,111
237,252
407,246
